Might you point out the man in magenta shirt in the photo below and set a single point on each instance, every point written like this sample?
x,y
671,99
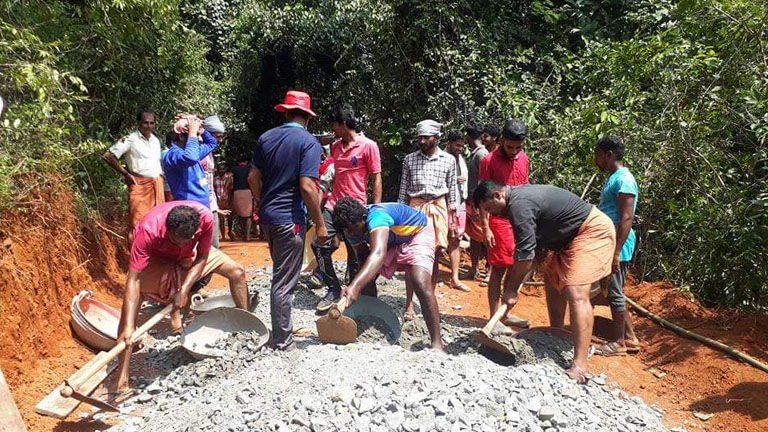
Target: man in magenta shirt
x,y
356,158
171,250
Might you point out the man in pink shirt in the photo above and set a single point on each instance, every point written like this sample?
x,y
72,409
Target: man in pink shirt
x,y
171,250
356,158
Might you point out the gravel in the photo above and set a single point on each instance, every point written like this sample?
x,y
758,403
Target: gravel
x,y
372,386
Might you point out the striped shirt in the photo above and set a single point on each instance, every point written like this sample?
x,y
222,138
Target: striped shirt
x,y
429,178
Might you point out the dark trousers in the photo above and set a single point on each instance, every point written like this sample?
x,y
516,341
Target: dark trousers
x,y
324,255
286,248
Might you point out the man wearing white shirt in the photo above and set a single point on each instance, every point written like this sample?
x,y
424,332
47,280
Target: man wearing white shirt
x,y
454,147
143,171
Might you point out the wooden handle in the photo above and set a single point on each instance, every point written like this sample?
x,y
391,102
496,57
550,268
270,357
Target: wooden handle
x,y
495,318
336,311
71,387
503,308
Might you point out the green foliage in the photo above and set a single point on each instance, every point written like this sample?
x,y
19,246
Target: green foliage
x,y
684,82
75,73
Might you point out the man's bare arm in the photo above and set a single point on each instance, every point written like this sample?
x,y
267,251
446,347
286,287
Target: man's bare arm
x,y
377,188
372,264
115,164
311,199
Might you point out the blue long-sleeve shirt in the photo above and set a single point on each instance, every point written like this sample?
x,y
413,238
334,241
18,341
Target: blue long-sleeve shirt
x,y
183,171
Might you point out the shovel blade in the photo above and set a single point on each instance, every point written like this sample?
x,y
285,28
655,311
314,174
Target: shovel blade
x,y
488,342
339,331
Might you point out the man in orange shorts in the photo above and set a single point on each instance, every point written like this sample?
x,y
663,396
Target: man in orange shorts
x,y
583,240
508,166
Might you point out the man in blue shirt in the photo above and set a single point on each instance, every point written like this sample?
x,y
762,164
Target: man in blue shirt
x,y
390,237
181,163
285,165
618,200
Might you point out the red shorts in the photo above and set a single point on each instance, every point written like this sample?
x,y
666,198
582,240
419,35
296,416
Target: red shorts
x,y
503,253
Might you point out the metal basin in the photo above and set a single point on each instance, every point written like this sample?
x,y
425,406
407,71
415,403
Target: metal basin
x,y
371,306
210,326
200,304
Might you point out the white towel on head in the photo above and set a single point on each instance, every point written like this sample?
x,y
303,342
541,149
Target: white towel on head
x,y
214,125
428,128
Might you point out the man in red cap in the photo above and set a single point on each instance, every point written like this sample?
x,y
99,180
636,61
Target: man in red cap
x,y
284,169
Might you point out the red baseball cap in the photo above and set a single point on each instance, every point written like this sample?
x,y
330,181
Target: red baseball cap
x,y
296,100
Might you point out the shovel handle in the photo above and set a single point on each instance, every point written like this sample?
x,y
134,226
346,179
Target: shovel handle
x,y
72,386
336,311
495,318
503,308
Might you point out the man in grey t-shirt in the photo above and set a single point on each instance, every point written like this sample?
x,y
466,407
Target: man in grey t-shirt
x,y
474,228
583,239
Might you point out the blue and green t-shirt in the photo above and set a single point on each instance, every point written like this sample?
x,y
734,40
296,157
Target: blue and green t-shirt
x,y
403,222
620,182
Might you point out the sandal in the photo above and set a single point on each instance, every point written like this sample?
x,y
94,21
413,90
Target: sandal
x,y
610,349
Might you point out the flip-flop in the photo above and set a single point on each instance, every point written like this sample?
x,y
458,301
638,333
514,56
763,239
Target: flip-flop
x,y
610,349
409,316
633,347
581,372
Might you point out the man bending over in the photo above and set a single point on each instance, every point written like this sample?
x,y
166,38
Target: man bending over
x,y
583,240
390,237
171,251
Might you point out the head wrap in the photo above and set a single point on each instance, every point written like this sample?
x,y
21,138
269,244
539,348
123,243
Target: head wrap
x,y
428,128
214,125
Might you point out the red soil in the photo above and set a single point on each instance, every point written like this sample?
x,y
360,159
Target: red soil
x,y
39,285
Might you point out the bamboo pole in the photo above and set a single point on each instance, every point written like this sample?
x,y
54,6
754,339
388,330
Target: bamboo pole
x,y
699,338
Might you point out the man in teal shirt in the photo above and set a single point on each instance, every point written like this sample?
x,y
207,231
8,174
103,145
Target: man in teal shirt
x,y
618,200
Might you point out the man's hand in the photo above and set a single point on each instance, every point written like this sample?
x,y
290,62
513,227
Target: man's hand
x,y
322,235
129,179
510,299
126,336
180,299
225,212
616,266
490,240
351,292
461,179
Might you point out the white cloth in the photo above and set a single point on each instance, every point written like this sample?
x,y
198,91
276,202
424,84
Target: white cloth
x,y
428,128
142,156
209,167
214,125
463,171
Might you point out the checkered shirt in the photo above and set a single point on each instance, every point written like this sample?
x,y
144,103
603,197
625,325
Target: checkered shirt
x,y
429,178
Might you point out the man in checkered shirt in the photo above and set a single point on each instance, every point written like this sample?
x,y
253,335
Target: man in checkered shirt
x,y
428,183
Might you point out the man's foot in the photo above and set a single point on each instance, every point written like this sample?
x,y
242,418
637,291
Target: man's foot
x,y
487,278
633,346
611,349
470,275
460,286
330,298
502,330
516,321
409,316
578,374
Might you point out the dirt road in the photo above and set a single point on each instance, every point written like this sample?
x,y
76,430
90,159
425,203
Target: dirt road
x,y
682,376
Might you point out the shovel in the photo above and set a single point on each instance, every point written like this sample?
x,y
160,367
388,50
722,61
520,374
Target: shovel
x,y
484,336
335,328
72,385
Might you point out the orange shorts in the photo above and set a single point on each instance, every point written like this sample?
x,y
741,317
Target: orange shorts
x,y
161,279
474,228
588,257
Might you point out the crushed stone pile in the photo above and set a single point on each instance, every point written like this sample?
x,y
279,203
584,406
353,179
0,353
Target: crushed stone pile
x,y
371,385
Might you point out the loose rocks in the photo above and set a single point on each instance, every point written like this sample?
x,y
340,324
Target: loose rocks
x,y
375,386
